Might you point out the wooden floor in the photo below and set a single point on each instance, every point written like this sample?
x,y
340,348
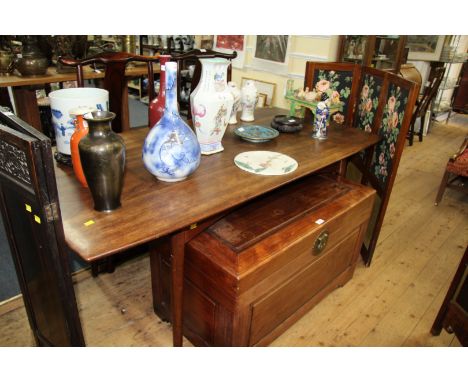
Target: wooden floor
x,y
392,303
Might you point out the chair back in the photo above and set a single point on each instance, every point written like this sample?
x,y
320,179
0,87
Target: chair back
x,y
430,91
193,58
378,166
33,224
423,104
115,81
337,76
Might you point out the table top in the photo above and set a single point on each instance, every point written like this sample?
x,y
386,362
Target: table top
x,y
53,76
152,208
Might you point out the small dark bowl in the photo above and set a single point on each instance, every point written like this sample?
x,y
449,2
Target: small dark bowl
x,y
286,128
287,120
286,124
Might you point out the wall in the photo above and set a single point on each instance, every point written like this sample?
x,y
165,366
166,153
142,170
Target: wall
x,y
301,49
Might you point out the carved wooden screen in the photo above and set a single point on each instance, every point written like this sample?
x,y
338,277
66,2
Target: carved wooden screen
x,y
31,214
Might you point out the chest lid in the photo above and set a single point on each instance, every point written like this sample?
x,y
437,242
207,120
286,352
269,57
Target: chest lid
x,y
244,227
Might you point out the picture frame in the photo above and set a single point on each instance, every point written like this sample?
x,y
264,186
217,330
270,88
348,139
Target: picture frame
x,y
231,43
425,47
263,87
261,100
271,53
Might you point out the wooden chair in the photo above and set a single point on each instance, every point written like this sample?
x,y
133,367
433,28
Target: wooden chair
x,y
378,166
422,105
342,77
456,172
115,81
453,314
193,58
31,214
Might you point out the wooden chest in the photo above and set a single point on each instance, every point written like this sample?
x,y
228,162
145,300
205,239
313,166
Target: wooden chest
x,y
253,273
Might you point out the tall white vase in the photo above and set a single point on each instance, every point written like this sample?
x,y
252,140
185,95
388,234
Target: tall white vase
x,y
211,103
248,101
236,93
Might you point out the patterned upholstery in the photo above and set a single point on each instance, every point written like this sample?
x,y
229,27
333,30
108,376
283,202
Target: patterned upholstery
x,y
460,165
338,83
384,107
455,172
389,130
368,101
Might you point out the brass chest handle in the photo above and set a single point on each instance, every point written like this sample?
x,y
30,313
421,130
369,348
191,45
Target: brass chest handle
x,y
321,242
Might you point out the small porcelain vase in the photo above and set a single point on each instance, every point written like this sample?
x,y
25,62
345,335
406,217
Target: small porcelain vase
x,y
102,154
156,107
248,101
236,93
211,102
81,129
322,112
171,151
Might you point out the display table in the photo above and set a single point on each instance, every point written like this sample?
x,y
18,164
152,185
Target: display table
x,y
24,89
152,209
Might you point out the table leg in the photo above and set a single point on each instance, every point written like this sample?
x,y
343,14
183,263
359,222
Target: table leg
x,y
342,169
178,241
26,106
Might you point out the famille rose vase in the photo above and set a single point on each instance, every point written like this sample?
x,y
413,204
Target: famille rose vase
x,y
171,151
236,93
157,105
211,103
248,101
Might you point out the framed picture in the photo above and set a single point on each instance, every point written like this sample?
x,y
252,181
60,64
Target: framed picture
x,y
271,53
204,41
261,100
425,47
229,43
266,88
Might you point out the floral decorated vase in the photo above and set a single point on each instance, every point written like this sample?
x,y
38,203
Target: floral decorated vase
x,y
171,151
157,105
211,102
248,101
236,93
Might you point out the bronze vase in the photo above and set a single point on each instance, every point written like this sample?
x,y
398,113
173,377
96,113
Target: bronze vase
x,y
102,154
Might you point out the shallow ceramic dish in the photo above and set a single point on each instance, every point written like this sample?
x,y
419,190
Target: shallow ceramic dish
x,y
265,162
256,133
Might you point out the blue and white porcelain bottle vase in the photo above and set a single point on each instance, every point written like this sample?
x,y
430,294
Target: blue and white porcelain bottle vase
x,y
211,102
171,151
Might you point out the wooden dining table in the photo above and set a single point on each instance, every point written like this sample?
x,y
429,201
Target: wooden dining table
x,y
152,209
24,89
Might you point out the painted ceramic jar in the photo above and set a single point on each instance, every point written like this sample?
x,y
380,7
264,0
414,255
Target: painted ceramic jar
x,y
248,101
171,151
156,107
81,129
102,154
61,102
236,94
211,102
